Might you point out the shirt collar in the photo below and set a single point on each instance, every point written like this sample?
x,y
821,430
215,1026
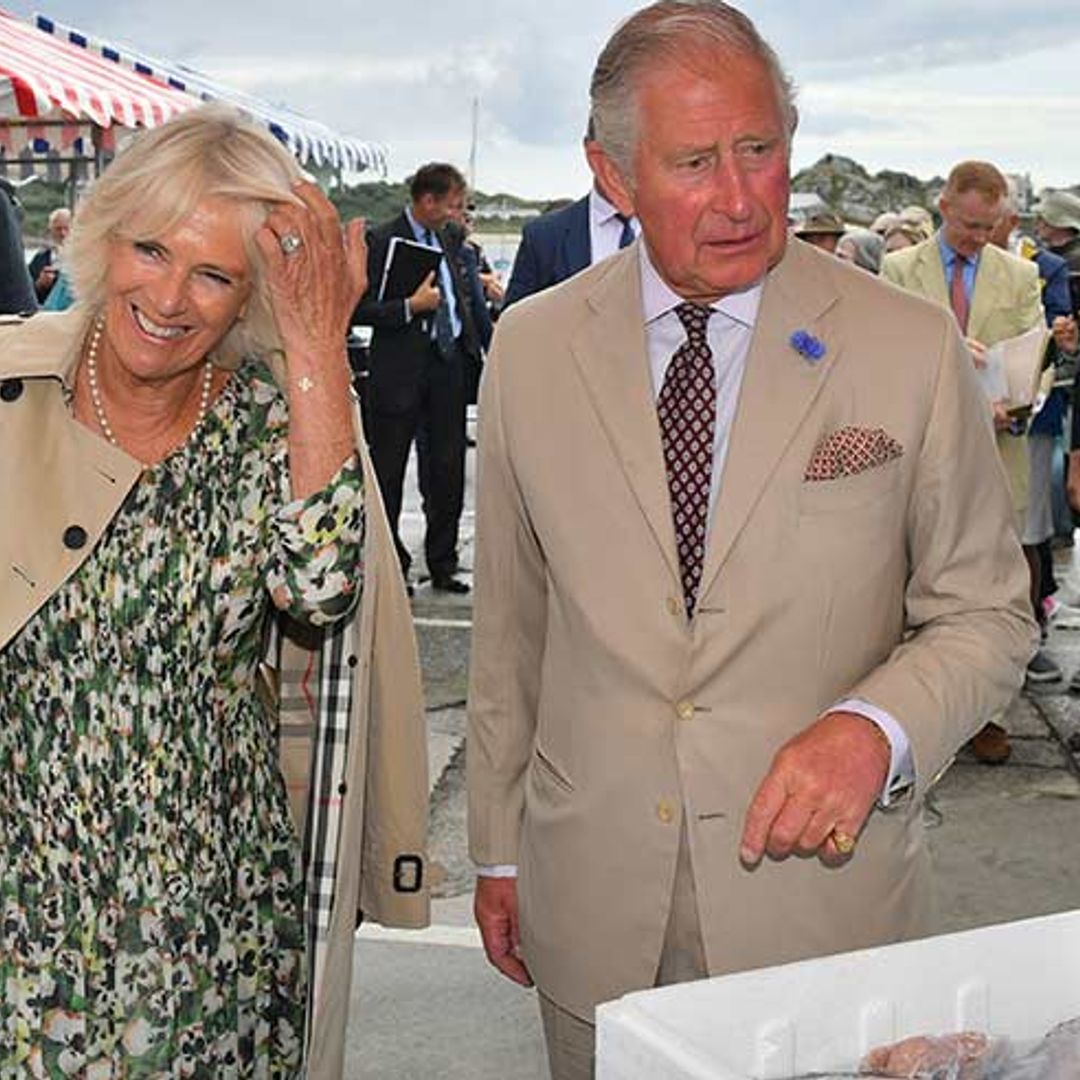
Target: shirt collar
x,y
601,210
949,256
658,298
418,229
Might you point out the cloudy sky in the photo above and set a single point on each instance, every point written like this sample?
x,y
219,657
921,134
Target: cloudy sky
x,y
913,85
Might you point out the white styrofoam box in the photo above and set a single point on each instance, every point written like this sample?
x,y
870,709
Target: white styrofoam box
x,y
1016,979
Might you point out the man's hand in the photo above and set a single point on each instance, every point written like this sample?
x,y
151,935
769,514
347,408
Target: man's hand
x,y
1066,333
45,278
495,908
426,297
824,779
493,288
978,351
1002,419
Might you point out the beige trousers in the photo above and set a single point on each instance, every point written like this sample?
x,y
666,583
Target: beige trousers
x,y
571,1041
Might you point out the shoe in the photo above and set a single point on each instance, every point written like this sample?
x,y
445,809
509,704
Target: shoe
x,y
991,745
449,584
1067,595
1041,669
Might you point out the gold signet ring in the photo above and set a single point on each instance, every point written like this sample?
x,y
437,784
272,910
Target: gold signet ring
x,y
843,843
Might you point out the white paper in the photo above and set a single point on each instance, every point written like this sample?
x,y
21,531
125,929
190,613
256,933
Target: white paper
x,y
1013,368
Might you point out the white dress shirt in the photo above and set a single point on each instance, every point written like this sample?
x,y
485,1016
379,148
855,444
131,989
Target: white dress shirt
x,y
605,227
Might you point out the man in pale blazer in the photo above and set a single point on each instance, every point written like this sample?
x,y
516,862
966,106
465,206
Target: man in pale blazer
x,y
1004,299
656,795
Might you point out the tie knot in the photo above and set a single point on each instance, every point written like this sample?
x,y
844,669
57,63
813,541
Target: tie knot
x,y
695,320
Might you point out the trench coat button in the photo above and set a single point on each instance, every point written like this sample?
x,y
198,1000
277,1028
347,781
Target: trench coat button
x,y
75,537
685,710
665,811
11,389
673,606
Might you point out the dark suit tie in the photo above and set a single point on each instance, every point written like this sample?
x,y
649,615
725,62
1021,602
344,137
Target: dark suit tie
x,y
444,331
627,237
958,294
687,412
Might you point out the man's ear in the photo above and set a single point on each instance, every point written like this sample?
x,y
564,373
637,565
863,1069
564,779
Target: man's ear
x,y
609,178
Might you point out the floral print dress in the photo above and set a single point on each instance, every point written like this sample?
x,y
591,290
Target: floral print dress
x,y
151,894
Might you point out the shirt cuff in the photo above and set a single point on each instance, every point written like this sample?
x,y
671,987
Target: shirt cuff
x,y
901,764
408,309
500,870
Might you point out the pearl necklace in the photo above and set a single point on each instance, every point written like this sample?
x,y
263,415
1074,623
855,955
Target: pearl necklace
x,y
95,393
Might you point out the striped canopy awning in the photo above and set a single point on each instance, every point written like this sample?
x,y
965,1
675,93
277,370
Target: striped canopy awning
x,y
47,78
309,140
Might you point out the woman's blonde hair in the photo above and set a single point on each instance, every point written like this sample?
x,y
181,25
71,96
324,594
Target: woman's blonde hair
x,y
157,182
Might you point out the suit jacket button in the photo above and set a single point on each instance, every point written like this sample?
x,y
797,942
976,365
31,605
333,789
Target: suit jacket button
x,y
685,710
75,537
673,606
665,811
11,389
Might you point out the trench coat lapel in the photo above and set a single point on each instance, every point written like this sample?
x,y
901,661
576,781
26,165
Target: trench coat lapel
x,y
779,386
611,355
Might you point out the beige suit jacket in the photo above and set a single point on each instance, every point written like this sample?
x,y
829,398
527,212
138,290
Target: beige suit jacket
x,y
903,585
57,474
1006,301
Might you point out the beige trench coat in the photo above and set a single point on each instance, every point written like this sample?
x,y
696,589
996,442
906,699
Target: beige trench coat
x,y
61,485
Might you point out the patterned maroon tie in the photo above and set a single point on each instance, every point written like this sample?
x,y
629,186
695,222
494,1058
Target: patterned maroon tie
x,y
687,412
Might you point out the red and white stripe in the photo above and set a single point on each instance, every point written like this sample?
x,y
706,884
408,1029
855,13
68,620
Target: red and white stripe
x,y
47,73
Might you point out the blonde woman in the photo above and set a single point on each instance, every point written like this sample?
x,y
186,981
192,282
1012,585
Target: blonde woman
x,y
179,459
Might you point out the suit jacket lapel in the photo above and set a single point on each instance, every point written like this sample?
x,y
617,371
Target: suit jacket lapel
x,y
930,274
576,240
778,388
985,293
610,352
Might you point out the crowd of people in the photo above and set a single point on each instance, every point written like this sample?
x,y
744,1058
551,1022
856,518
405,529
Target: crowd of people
x,y
701,748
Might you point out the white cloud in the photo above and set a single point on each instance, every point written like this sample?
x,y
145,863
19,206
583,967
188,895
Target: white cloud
x,y
912,85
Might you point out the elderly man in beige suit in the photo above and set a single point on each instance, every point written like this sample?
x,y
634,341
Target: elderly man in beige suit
x,y
993,296
746,566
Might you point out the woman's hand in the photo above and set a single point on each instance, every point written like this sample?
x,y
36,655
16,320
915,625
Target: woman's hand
x,y
315,284
316,273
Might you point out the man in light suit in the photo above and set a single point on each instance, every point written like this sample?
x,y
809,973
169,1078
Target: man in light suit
x,y
562,243
746,567
993,296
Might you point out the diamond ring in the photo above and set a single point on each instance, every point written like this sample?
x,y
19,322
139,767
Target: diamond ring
x,y
291,243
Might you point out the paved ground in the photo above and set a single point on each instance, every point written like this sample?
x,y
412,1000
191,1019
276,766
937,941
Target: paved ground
x,y
1005,840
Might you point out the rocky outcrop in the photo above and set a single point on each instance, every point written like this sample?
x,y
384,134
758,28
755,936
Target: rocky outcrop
x,y
859,197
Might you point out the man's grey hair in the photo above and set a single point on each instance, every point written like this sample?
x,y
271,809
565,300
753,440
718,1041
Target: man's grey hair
x,y
664,31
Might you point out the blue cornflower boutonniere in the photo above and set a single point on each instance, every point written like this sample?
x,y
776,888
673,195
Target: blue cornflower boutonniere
x,y
807,346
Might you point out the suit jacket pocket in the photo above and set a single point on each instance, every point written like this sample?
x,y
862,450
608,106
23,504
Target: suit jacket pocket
x,y
546,770
849,492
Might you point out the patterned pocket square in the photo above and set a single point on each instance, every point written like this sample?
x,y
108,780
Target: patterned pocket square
x,y
851,450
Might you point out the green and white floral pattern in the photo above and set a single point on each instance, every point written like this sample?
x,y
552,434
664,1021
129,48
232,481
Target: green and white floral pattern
x,y
151,919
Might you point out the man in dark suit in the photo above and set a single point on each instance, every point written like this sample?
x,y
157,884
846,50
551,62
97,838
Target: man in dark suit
x,y
560,243
416,386
16,289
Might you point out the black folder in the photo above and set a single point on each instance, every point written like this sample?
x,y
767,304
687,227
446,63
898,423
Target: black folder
x,y
408,263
